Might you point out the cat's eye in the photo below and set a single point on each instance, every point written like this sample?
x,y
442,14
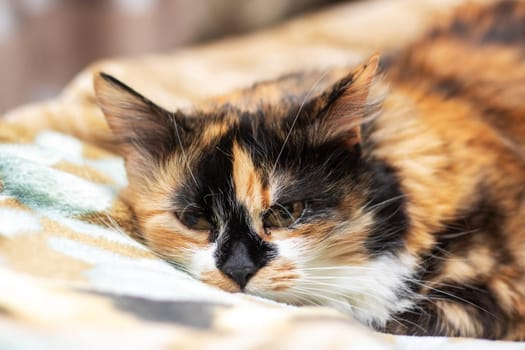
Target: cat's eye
x,y
194,220
283,215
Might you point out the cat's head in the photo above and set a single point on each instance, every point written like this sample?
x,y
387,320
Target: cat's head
x,y
278,201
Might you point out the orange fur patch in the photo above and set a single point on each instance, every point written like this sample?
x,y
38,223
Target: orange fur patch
x,y
248,187
279,275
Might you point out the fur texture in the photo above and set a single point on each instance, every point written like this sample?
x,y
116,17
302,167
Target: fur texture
x,y
393,192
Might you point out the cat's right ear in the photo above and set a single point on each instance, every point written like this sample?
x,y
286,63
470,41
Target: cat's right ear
x,y
139,125
344,106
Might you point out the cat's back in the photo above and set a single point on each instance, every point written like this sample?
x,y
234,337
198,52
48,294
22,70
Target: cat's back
x,y
453,127
475,58
457,107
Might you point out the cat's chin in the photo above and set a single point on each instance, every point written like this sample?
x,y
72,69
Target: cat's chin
x,y
218,279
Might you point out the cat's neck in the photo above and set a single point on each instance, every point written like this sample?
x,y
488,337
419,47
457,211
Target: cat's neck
x,y
417,134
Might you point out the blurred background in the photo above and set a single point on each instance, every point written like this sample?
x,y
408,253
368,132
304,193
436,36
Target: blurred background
x,y
44,43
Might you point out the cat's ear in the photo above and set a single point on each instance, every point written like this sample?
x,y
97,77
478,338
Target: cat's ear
x,y
139,125
344,106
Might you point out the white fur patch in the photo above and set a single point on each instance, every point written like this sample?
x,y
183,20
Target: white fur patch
x,y
203,260
371,293
294,249
378,296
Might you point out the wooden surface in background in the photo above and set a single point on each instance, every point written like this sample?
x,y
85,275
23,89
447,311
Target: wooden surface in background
x,y
44,43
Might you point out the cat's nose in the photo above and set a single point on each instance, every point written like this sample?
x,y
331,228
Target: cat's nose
x,y
240,274
239,265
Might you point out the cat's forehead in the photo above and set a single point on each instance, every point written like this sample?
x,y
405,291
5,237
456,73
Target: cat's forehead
x,y
295,133
288,88
225,179
247,161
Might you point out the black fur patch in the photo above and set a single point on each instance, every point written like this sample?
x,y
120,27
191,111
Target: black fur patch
x,y
501,23
388,202
239,247
241,252
508,25
448,88
420,321
477,301
481,225
480,304
314,168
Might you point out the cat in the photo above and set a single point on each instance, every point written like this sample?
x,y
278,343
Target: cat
x,y
393,191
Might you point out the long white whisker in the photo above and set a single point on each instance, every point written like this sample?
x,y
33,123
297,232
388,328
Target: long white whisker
x,y
338,268
306,97
386,201
311,292
184,156
454,297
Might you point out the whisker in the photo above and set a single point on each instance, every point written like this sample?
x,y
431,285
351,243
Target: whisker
x,y
308,291
453,297
184,155
386,201
400,321
338,268
306,97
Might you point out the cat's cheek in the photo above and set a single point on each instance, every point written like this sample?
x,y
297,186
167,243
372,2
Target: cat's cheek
x,y
202,260
169,239
202,266
278,276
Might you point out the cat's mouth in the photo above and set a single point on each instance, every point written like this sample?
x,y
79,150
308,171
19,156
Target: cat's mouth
x,y
218,279
277,276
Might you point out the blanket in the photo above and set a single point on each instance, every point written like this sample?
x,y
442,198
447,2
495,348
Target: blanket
x,y
72,276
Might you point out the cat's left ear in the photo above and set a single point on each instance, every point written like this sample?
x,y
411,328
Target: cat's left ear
x,y
344,106
140,127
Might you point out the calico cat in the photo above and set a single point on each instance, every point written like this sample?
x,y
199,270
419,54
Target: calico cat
x,y
394,191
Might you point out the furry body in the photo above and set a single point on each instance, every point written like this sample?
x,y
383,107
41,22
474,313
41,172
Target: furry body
x,y
393,193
